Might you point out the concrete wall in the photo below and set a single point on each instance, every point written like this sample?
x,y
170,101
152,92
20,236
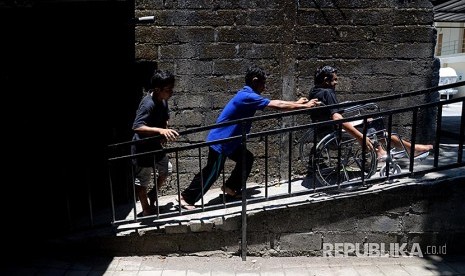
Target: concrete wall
x,y
380,47
428,216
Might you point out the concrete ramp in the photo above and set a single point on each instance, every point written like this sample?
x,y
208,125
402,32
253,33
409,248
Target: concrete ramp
x,y
420,212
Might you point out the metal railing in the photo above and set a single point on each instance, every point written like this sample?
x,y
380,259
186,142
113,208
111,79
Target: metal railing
x,y
264,135
450,48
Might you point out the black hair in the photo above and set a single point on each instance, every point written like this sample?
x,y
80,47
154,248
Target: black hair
x,y
161,78
254,72
323,72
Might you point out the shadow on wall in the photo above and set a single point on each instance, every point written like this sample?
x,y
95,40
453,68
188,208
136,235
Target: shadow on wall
x,y
72,94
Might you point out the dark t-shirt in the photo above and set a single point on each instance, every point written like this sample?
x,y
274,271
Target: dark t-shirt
x,y
328,97
152,114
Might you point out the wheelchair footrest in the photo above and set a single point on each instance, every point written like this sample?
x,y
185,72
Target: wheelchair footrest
x,y
398,154
422,156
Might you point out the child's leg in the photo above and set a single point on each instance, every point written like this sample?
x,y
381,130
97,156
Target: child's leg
x,y
234,182
163,169
143,176
419,148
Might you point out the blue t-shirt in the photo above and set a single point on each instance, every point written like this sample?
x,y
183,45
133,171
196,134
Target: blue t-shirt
x,y
243,105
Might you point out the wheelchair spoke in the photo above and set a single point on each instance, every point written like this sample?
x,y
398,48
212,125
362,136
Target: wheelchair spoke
x,y
350,165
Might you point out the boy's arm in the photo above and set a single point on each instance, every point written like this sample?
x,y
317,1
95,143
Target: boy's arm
x,y
288,105
349,128
169,134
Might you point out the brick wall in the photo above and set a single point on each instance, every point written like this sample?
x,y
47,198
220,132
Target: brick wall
x,y
380,47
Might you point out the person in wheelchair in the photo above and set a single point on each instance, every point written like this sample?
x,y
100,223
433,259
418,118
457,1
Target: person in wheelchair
x,y
325,81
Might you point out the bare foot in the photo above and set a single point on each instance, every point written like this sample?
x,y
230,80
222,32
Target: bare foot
x,y
420,148
149,212
381,154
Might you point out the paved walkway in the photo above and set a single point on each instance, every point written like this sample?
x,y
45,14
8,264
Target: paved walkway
x,y
253,266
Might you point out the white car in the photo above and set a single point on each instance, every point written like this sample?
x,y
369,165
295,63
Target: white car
x,y
447,75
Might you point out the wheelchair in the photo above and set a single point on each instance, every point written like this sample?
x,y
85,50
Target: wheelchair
x,y
338,157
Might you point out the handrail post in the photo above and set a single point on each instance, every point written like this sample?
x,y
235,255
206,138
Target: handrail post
x,y
413,141
134,195
364,145
388,150
312,156
201,179
244,193
339,165
438,136
112,201
266,166
178,186
462,134
289,167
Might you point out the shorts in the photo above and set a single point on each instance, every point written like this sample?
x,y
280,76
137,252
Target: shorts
x,y
144,174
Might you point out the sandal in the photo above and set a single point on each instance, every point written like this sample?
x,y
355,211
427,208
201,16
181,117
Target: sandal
x,y
184,205
152,213
228,191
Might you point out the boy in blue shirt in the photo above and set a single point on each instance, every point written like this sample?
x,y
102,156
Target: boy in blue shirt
x,y
243,105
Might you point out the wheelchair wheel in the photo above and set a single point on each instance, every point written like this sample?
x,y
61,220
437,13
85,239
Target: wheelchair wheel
x,y
394,169
350,168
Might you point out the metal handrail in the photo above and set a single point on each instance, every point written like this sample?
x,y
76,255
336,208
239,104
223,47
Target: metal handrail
x,y
350,106
301,111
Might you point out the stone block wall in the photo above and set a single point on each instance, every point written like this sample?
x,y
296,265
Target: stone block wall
x,y
415,218
380,47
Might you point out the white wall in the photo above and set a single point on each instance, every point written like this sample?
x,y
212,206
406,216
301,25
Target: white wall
x,y
453,32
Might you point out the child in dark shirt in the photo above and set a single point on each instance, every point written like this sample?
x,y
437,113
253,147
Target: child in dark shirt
x,y
151,120
325,91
